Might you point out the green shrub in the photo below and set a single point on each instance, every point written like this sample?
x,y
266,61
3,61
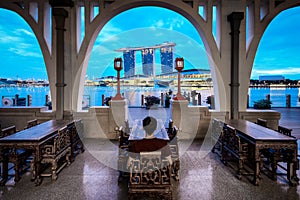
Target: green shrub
x,y
262,104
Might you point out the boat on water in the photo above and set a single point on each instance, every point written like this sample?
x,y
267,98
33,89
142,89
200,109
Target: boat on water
x,y
160,83
102,84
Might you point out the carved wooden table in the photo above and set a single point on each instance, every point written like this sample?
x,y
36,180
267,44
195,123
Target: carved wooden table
x,y
32,138
264,138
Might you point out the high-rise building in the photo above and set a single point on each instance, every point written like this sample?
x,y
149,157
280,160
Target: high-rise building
x,y
166,56
129,63
148,59
148,62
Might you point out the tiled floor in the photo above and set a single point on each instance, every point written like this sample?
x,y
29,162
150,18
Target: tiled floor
x,y
93,175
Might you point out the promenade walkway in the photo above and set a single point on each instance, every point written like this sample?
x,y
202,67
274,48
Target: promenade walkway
x,y
290,117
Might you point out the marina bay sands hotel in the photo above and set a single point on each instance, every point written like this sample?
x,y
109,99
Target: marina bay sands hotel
x,y
148,59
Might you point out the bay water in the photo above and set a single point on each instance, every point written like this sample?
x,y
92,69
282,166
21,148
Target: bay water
x,y
93,94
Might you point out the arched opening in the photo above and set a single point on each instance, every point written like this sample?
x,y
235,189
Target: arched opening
x,y
276,65
22,62
155,26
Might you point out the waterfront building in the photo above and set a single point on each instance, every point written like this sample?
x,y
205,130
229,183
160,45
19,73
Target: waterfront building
x,y
129,63
167,60
271,78
148,60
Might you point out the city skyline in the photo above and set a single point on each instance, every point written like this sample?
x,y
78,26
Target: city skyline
x,y
277,53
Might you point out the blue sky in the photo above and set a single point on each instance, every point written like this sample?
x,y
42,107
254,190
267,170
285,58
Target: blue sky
x,y
20,55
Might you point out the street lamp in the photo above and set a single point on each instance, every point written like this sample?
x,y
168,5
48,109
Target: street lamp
x,y
118,67
179,67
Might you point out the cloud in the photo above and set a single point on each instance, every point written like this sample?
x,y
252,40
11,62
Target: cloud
x,y
4,38
169,23
16,37
24,53
102,50
158,24
109,32
24,31
176,22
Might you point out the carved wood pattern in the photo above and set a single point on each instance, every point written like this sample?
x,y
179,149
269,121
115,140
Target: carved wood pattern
x,y
150,175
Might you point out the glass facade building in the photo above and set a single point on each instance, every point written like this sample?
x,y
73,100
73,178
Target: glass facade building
x,y
148,62
166,56
129,63
148,59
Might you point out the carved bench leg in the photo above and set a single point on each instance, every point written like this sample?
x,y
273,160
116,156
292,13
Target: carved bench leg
x,y
175,169
240,169
69,157
37,171
274,170
130,196
17,171
54,168
33,169
257,173
81,146
292,177
4,172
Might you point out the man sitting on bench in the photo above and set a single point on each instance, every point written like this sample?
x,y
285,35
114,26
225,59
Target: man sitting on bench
x,y
150,143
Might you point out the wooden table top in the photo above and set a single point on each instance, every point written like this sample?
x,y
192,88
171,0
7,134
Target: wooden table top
x,y
38,132
257,132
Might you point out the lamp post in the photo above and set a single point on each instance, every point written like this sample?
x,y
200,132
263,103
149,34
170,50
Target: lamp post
x,y
118,67
179,67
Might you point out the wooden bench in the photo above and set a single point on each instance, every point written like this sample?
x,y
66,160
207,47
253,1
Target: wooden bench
x,y
282,155
31,123
285,131
76,133
123,152
217,128
233,146
172,131
261,122
57,152
16,156
150,175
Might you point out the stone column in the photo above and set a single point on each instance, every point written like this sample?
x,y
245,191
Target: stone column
x,y
235,19
60,14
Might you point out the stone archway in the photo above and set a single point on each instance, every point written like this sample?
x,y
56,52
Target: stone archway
x,y
108,14
47,49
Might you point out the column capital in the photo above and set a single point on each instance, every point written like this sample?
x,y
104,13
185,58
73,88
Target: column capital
x,y
235,19
61,12
61,3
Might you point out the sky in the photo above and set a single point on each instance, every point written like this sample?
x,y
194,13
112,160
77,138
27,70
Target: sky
x,y
21,57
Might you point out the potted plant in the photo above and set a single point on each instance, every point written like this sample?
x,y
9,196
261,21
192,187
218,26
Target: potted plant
x,y
49,104
168,98
262,104
151,101
107,100
210,101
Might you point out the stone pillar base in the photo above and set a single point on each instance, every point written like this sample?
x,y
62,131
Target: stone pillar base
x,y
118,113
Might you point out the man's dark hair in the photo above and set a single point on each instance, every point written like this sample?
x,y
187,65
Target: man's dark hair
x,y
149,125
